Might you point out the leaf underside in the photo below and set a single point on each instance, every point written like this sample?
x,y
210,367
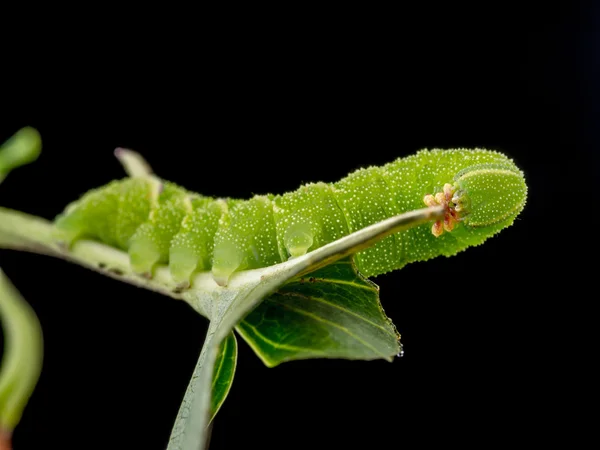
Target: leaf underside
x,y
223,373
331,313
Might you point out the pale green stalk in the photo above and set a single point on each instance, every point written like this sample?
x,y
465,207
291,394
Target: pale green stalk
x,y
23,342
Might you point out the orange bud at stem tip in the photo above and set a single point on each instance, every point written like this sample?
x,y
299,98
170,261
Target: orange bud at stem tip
x,y
448,225
430,200
448,191
437,229
451,202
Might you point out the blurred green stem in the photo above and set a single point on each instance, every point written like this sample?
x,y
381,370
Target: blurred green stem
x,y
23,354
23,340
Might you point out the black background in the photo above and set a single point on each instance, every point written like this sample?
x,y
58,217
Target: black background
x,y
265,112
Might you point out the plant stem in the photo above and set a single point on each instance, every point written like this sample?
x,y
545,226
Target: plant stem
x,y
22,359
24,232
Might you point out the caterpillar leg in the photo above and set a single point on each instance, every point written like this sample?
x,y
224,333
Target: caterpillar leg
x,y
150,243
227,259
298,238
308,218
183,260
144,251
246,239
192,248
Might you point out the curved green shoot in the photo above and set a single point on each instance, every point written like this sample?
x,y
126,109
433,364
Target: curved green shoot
x,y
22,148
22,360
23,341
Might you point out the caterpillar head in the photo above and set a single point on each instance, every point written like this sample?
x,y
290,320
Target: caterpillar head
x,y
483,196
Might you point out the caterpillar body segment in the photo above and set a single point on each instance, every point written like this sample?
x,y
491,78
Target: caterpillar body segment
x,y
151,242
246,239
192,248
369,187
159,222
308,218
110,214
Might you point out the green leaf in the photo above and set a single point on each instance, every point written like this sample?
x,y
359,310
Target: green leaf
x,y
223,373
331,313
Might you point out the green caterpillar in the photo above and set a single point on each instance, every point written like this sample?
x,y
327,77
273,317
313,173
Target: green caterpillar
x,y
158,222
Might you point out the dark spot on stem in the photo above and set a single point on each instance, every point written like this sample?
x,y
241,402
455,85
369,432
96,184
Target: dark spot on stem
x,y
181,287
117,272
102,265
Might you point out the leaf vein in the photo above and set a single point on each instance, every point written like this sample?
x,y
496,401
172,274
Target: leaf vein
x,y
322,300
278,345
333,324
348,283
